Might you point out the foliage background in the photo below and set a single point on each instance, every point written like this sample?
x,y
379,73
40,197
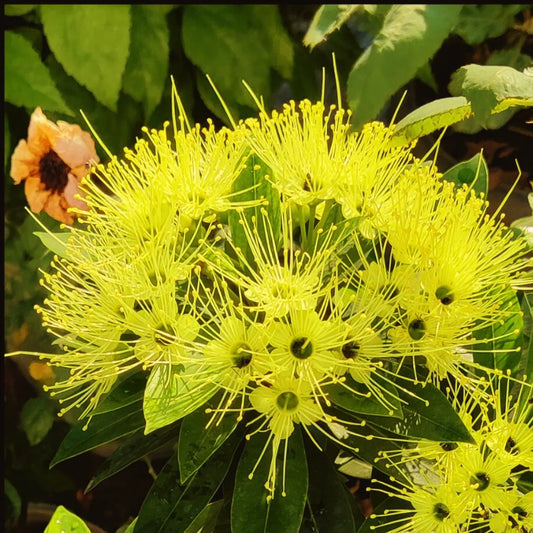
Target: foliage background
x,y
115,63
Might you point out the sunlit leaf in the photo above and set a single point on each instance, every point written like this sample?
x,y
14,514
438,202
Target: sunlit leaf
x,y
327,19
63,521
473,172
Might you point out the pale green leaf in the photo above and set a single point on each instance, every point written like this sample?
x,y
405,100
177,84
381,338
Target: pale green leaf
x,y
55,242
92,43
525,224
410,35
492,89
327,19
147,67
168,398
63,521
27,80
510,57
476,23
473,173
430,117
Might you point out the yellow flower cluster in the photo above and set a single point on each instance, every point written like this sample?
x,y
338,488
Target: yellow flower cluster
x,y
269,262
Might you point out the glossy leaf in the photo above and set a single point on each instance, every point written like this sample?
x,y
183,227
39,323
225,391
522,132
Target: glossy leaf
x,y
250,511
147,67
170,506
63,521
206,521
134,448
473,173
492,89
125,392
330,510
98,59
27,80
197,443
254,183
427,414
502,342
365,402
167,400
431,117
327,19
100,430
37,418
410,35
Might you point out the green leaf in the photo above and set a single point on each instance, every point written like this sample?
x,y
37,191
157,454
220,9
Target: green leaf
x,y
476,23
206,521
102,429
501,343
366,402
254,182
510,57
55,242
250,511
134,448
197,443
27,80
327,19
427,414
37,417
328,501
492,89
384,514
7,141
431,117
125,392
410,35
63,521
170,506
165,402
473,173
92,43
17,10
12,495
215,36
130,527
147,67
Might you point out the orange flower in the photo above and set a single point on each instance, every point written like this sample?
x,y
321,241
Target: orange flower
x,y
52,161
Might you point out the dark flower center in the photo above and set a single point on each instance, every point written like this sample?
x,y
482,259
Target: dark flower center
x,y
301,347
449,446
350,350
240,355
288,401
54,172
481,479
164,335
511,446
445,295
440,511
416,329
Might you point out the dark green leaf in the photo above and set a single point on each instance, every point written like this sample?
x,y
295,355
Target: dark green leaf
x,y
255,183
125,392
431,117
366,402
427,414
215,36
492,89
166,401
197,443
476,23
501,343
147,67
16,10
206,521
37,417
510,57
410,35
473,173
375,522
329,506
250,511
63,521
134,449
171,507
55,242
101,429
327,19
92,43
27,80
12,495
